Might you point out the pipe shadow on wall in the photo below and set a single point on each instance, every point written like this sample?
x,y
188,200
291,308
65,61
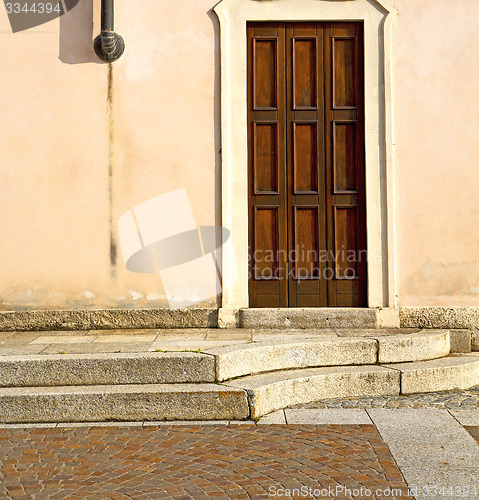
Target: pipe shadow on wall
x,y
76,35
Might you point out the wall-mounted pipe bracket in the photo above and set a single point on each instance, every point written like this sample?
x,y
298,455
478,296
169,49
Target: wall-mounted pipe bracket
x,y
108,45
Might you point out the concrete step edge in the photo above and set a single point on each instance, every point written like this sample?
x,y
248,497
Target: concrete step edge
x,y
140,402
263,357
106,369
445,374
221,363
273,391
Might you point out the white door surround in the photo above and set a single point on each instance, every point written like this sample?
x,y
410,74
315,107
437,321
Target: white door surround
x,y
377,16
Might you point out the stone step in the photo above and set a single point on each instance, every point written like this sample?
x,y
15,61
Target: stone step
x,y
317,351
273,391
310,317
299,349
106,369
147,402
252,395
446,374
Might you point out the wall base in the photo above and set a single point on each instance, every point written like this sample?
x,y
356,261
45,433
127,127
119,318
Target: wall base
x,y
439,317
107,319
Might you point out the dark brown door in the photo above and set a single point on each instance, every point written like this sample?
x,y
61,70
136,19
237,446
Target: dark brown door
x,y
307,224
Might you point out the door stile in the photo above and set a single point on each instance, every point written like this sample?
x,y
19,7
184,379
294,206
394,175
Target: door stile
x,y
345,180
267,193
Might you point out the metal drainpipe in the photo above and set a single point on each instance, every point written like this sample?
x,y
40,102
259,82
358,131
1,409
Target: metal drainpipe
x,y
109,46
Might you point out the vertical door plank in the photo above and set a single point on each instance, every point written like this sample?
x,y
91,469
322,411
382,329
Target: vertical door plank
x,y
305,163
345,184
266,165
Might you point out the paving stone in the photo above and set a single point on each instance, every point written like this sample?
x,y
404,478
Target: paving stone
x,y
231,334
195,462
103,347
277,417
64,339
466,417
125,338
431,449
327,416
7,350
138,331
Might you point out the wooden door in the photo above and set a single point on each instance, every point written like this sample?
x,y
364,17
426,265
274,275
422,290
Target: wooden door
x,y
307,231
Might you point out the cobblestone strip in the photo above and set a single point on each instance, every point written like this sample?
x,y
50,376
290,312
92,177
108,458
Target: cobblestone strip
x,y
197,462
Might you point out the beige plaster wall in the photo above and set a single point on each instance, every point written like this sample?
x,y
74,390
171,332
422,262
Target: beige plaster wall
x,y
69,168
436,117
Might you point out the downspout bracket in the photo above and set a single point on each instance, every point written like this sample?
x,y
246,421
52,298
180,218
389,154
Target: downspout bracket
x,y
109,46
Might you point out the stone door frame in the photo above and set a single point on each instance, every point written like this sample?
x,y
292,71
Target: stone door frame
x,y
377,17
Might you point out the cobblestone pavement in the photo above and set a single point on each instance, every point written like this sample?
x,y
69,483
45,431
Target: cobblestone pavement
x,y
196,462
453,400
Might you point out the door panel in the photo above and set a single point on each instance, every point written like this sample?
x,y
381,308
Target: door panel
x,y
306,165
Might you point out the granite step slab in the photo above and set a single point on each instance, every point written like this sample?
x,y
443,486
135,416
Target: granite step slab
x,y
146,402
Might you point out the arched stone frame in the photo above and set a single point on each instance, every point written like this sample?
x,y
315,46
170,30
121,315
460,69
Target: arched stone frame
x,y
377,16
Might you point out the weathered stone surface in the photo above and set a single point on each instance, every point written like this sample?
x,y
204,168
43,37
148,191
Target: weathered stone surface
x,y
107,319
275,418
432,449
475,340
461,340
340,317
123,402
228,318
413,347
327,416
439,317
107,369
388,317
235,361
453,372
273,391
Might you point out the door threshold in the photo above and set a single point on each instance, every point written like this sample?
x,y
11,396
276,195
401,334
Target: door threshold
x,y
319,317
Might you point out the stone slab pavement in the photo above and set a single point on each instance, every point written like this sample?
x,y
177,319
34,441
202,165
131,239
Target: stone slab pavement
x,y
331,453
147,340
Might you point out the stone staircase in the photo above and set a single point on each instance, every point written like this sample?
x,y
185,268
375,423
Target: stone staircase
x,y
275,369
